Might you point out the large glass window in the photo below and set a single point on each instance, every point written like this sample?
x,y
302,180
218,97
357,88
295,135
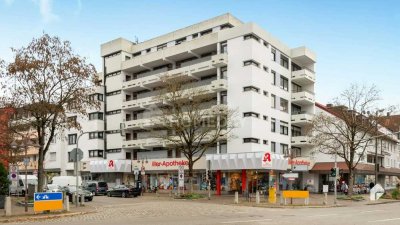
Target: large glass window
x,y
285,149
273,54
273,77
96,116
273,146
96,153
273,101
296,131
284,105
224,73
72,139
251,140
224,97
224,47
284,128
296,88
284,61
284,83
96,135
273,125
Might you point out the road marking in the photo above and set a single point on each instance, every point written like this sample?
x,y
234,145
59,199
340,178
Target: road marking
x,y
370,211
374,221
323,215
245,221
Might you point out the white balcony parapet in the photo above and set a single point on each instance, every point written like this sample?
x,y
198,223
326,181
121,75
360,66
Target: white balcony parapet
x,y
303,76
301,141
303,98
301,118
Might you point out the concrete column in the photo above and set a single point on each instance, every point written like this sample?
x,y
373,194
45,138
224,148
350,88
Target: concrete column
x,y
7,206
236,201
218,182
257,197
244,180
66,203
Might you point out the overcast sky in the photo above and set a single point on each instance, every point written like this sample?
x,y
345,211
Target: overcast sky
x,y
355,41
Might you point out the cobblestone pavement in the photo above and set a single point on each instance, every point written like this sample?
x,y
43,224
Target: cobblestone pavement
x,y
153,210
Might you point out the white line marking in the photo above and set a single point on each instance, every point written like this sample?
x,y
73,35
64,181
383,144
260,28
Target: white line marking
x,y
323,215
374,221
378,210
245,221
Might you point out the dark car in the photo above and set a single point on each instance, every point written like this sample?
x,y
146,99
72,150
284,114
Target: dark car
x,y
71,190
97,187
123,191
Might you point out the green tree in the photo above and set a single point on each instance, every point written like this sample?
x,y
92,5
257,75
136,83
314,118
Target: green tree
x,y
4,181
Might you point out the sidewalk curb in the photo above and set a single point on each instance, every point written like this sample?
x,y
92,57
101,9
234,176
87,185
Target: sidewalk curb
x,y
41,217
381,203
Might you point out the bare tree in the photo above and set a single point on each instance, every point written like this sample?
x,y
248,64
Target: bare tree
x,y
348,127
45,83
189,119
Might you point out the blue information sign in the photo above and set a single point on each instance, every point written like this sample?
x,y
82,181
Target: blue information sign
x,y
48,196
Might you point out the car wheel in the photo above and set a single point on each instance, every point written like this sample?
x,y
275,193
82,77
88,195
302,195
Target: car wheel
x,y
123,195
90,199
109,194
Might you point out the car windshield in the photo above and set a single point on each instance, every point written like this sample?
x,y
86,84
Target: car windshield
x,y
102,184
120,187
73,188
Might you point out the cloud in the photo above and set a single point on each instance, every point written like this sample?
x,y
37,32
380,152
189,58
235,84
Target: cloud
x,y
46,11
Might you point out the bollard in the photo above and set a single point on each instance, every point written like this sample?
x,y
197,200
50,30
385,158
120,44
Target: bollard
x,y
236,197
66,203
325,198
7,206
257,197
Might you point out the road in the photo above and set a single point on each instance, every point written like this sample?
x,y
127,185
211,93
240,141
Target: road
x,y
118,211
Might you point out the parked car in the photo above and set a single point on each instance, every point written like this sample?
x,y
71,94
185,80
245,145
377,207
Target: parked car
x,y
96,187
71,190
53,188
123,191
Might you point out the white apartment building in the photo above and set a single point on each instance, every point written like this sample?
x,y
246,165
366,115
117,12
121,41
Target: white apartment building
x,y
269,84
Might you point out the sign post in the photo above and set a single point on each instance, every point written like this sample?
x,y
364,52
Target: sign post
x,y
45,201
181,178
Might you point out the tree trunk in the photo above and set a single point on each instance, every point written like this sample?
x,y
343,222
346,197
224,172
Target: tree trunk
x,y
40,164
191,175
351,182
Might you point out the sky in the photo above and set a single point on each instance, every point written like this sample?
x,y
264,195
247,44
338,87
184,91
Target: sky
x,y
356,41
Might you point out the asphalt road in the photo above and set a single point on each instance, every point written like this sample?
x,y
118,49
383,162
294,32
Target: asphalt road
x,y
118,211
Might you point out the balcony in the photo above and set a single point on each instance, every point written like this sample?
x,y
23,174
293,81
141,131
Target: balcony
x,y
138,144
301,141
303,55
301,118
219,85
219,60
303,98
303,77
196,47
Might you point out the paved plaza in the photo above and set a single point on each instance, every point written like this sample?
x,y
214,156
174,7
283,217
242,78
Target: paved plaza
x,y
164,210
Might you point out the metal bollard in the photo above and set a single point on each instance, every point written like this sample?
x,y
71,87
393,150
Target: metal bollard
x,y
66,203
257,197
236,201
7,206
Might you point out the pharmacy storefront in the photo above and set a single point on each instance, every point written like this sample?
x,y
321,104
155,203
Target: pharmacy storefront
x,y
250,171
163,173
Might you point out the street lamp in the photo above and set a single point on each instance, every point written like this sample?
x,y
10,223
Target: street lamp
x,y
143,161
24,145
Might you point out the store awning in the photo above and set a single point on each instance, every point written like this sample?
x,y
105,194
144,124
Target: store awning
x,y
111,166
360,168
248,160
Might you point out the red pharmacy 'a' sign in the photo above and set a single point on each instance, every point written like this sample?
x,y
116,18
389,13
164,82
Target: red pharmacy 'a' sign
x,y
266,160
111,164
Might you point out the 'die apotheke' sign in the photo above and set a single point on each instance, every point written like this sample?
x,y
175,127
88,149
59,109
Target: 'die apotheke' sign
x,y
266,160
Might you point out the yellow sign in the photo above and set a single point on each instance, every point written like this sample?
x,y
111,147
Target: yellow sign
x,y
296,194
48,201
272,195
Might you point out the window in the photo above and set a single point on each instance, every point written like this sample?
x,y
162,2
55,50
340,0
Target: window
x,y
273,54
53,156
251,36
148,50
96,135
114,150
296,88
265,44
195,36
273,101
251,88
112,55
285,149
265,68
284,105
224,73
113,131
128,155
251,140
72,139
273,77
209,31
224,98
136,54
273,125
72,120
113,74
296,152
251,62
250,114
284,128
224,47
265,142
180,41
296,131
113,112
96,116
295,67
225,26
265,117
113,93
284,61
96,96
96,153
284,83
70,157
127,58
265,93
273,146
161,47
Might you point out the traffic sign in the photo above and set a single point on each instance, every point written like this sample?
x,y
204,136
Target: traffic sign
x,y
73,155
14,173
44,201
26,161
